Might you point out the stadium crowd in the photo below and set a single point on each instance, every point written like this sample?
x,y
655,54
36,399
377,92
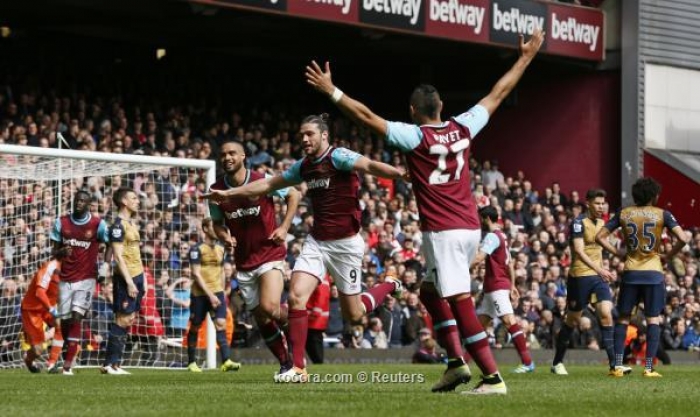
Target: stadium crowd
x,y
536,222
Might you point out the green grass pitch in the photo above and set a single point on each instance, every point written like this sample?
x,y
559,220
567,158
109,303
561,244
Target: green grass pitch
x,y
587,391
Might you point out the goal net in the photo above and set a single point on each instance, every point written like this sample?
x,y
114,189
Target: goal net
x,y
37,185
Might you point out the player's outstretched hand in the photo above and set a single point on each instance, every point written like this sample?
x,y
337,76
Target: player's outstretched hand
x,y
320,79
530,48
215,196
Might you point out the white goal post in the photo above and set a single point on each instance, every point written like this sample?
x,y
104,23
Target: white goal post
x,y
37,186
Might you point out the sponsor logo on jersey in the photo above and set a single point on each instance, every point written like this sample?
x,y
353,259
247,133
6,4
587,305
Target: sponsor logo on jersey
x,y
243,212
77,243
318,183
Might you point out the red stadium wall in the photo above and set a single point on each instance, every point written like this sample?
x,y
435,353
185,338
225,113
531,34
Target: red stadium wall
x,y
563,128
679,194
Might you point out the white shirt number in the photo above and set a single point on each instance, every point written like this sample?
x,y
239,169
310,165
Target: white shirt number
x,y
439,176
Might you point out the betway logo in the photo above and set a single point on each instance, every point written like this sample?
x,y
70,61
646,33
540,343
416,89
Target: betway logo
x,y
515,21
408,8
77,243
242,212
452,11
345,4
570,30
319,183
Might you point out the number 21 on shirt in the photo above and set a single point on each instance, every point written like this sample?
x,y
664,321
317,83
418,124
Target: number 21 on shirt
x,y
440,174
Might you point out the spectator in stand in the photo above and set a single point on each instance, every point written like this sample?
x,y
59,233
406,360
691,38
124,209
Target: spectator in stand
x,y
179,294
393,321
427,351
672,335
374,336
413,319
490,175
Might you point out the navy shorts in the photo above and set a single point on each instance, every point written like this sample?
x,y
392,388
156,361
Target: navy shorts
x,y
122,302
653,296
200,306
579,291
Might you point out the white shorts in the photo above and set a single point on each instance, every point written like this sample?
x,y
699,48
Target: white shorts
x,y
249,282
75,296
341,258
448,255
495,304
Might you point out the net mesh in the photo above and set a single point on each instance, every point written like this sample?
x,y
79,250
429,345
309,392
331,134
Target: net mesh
x,y
34,190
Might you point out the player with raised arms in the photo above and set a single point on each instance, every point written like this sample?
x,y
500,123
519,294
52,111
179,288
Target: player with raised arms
x,y
437,153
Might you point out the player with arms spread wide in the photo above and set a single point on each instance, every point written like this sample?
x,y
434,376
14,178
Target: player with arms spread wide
x,y
437,153
642,225
334,244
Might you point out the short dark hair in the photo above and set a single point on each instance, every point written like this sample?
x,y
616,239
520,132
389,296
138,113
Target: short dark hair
x,y
644,190
594,193
120,194
234,141
320,120
425,100
82,192
489,212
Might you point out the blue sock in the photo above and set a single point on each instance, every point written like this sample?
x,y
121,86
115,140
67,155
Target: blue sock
x,y
192,344
653,337
608,343
620,336
115,344
224,348
562,343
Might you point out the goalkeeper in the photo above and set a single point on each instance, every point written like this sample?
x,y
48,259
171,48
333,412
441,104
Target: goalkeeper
x,y
39,308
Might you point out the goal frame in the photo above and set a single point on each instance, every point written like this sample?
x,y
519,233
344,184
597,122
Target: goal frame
x,y
155,161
